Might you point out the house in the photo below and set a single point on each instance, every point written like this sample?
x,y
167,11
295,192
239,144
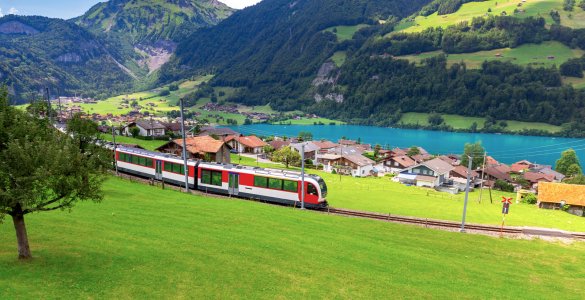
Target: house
x,y
325,145
557,195
329,161
398,163
173,127
452,159
217,131
347,150
311,150
436,168
355,165
535,178
147,128
346,142
493,173
246,144
521,166
199,147
549,171
459,177
278,144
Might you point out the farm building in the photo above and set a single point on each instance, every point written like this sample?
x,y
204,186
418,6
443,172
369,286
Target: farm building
x,y
554,195
147,128
436,169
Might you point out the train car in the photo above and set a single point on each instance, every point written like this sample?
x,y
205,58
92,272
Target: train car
x,y
271,185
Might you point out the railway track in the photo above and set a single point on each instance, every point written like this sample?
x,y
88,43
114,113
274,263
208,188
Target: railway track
x,y
403,219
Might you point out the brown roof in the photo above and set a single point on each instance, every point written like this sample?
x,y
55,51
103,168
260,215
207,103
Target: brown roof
x,y
404,160
491,161
251,141
496,173
438,165
538,177
359,160
462,171
199,144
398,151
556,192
279,144
325,144
347,142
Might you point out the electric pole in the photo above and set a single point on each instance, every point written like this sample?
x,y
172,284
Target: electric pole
x,y
186,171
303,176
466,193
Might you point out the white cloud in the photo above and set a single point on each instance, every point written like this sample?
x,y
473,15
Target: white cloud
x,y
239,4
1,14
12,11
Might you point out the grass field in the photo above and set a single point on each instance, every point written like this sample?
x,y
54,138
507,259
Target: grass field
x,y
462,122
344,33
146,144
311,121
527,54
339,58
380,194
468,11
143,242
577,83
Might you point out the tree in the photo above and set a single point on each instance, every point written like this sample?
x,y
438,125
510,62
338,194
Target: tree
x,y
476,151
412,151
164,93
247,121
377,149
286,155
566,162
574,170
579,179
42,169
305,136
134,131
435,119
503,186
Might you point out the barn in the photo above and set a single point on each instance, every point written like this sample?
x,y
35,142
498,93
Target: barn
x,y
554,195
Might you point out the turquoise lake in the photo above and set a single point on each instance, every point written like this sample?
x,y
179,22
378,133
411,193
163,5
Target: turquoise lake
x,y
505,148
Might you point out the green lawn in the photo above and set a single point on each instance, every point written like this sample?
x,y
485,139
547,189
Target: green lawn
x,y
344,33
577,83
462,122
468,11
384,196
311,121
143,242
339,58
528,54
146,144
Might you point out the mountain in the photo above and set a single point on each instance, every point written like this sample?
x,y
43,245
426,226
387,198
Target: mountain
x,y
39,52
151,27
275,48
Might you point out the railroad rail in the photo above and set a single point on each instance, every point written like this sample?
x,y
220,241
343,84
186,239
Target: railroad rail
x,y
440,224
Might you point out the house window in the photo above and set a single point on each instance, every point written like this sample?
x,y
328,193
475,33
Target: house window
x,y
396,164
424,172
416,171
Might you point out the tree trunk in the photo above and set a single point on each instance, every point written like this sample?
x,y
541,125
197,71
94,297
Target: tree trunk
x,y
21,237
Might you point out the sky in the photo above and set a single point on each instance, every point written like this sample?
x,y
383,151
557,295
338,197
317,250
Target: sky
x,y
66,9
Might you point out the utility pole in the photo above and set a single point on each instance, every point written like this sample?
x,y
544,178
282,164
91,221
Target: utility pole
x,y
115,149
466,194
482,176
303,176
184,147
59,99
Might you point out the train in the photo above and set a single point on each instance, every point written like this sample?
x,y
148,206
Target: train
x,y
264,184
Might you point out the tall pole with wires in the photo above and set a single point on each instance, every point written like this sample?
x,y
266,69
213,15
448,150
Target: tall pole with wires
x,y
466,193
115,149
186,169
303,176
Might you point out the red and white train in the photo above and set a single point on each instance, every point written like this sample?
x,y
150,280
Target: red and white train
x,y
269,185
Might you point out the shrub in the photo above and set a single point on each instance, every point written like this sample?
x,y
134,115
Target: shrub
x,y
530,199
503,186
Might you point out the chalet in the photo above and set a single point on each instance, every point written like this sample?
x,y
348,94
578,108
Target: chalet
x,y
311,150
217,131
278,144
173,127
493,173
437,169
246,144
329,161
398,163
199,147
346,150
535,178
147,128
325,145
521,166
557,195
459,177
355,165
347,142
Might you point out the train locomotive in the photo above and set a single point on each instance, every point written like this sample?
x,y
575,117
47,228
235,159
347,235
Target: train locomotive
x,y
270,185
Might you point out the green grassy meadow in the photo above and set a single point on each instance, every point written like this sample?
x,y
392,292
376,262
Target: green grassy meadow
x,y
344,33
311,121
339,58
462,122
468,11
146,144
380,194
142,241
527,54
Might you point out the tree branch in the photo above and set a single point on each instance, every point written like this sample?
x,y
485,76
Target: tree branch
x,y
5,211
41,207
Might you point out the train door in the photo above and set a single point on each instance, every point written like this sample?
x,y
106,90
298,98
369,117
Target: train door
x,y
233,184
158,173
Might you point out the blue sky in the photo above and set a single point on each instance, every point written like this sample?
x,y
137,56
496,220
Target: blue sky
x,y
67,9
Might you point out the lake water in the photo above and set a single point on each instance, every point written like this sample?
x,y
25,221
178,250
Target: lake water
x,y
505,148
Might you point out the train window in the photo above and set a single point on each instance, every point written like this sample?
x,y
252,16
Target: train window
x,y
291,186
142,161
149,162
274,183
205,177
178,169
260,181
135,160
216,178
312,190
168,167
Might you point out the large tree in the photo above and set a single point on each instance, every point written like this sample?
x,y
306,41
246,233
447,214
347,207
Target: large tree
x,y
286,155
568,164
476,152
43,169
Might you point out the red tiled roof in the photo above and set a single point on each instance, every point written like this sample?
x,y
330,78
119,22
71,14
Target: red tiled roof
x,y
534,177
462,171
199,144
251,141
325,144
404,160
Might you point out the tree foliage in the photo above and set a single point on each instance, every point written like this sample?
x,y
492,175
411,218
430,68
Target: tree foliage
x,y
476,152
412,151
287,156
568,164
42,169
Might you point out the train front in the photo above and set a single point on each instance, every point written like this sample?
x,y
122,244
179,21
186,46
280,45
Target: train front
x,y
316,192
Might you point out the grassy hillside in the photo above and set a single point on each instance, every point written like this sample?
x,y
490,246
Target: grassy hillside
x,y
546,54
345,33
462,122
146,242
384,196
468,11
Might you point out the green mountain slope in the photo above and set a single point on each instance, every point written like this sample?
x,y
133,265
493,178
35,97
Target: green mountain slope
x,y
275,48
38,52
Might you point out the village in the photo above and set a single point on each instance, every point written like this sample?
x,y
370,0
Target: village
x,y
412,166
